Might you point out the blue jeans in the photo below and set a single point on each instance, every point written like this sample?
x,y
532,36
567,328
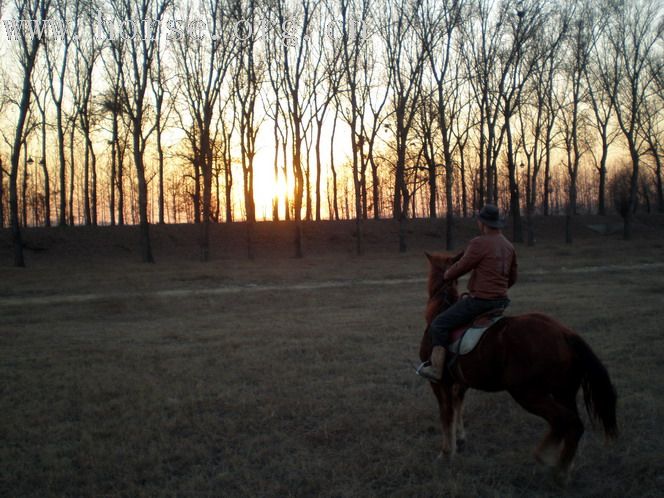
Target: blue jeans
x,y
461,313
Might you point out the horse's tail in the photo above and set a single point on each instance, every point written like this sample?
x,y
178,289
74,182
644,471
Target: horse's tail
x,y
599,393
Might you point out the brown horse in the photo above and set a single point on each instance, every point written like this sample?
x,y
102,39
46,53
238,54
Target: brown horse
x,y
540,362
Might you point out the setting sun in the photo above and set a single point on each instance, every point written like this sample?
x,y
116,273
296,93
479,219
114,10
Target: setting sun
x,y
266,187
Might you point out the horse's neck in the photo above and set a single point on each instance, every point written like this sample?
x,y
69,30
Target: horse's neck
x,y
439,301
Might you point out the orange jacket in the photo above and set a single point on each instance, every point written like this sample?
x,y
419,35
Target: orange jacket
x,y
492,259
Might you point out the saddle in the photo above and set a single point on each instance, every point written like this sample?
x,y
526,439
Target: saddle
x,y
465,338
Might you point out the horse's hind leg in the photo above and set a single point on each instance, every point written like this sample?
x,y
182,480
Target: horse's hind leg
x,y
545,406
459,392
574,431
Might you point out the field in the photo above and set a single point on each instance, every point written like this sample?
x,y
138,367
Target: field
x,y
291,377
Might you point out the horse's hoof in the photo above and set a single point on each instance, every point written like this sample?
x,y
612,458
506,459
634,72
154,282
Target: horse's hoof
x,y
461,445
445,457
560,476
545,458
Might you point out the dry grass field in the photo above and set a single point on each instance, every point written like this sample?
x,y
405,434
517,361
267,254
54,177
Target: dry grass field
x,y
284,377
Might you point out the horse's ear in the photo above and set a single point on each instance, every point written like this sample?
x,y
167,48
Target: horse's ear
x,y
456,258
429,256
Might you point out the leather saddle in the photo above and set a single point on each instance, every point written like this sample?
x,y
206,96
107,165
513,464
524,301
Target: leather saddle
x,y
465,338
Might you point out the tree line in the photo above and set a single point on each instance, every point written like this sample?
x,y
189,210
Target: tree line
x,y
437,106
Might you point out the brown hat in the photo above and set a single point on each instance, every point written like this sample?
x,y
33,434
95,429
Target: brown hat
x,y
490,216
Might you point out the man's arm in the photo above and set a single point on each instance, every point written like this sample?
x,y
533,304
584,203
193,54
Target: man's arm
x,y
470,259
513,272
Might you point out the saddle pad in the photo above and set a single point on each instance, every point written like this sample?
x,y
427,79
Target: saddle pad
x,y
470,338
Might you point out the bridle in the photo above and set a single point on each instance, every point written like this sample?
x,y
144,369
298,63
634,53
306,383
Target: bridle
x,y
442,293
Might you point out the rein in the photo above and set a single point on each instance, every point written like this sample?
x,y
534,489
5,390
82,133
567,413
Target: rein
x,y
442,293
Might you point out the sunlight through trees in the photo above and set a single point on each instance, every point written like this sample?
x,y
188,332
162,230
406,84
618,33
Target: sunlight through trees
x,y
203,111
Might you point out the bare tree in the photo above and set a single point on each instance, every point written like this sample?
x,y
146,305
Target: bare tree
x,y
293,33
484,31
442,20
57,58
29,43
40,99
354,97
326,80
163,105
86,55
426,133
462,130
112,104
227,131
247,82
71,120
518,61
633,31
603,122
653,131
204,61
335,192
372,91
405,56
580,43
538,112
274,109
139,58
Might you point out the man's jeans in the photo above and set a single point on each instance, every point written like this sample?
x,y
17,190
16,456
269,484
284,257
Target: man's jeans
x,y
461,313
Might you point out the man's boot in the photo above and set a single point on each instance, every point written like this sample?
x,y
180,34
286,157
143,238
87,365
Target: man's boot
x,y
434,371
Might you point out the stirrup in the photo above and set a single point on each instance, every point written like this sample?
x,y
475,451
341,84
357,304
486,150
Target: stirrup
x,y
422,374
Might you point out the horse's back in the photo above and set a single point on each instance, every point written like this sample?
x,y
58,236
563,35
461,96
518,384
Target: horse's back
x,y
517,350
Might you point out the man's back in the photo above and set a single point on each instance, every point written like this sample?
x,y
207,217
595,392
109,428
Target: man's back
x,y
493,260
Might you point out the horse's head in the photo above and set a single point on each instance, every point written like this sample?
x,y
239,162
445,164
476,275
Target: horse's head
x,y
438,265
442,293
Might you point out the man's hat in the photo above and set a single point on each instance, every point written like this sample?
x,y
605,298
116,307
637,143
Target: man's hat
x,y
490,216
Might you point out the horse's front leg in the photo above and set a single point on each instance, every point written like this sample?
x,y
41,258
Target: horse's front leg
x,y
448,421
459,393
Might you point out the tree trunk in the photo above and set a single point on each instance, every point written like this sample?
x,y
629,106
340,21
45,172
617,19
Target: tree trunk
x,y
335,192
228,191
13,208
284,169
146,248
93,165
633,189
24,189
2,195
63,166
357,184
120,186
275,199
114,151
86,183
432,188
23,107
547,178
47,186
299,184
601,196
658,180
515,201
307,186
206,167
72,169
400,188
160,155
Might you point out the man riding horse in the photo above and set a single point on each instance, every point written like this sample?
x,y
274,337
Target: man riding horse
x,y
492,259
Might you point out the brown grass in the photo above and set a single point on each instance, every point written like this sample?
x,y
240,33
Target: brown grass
x,y
284,377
